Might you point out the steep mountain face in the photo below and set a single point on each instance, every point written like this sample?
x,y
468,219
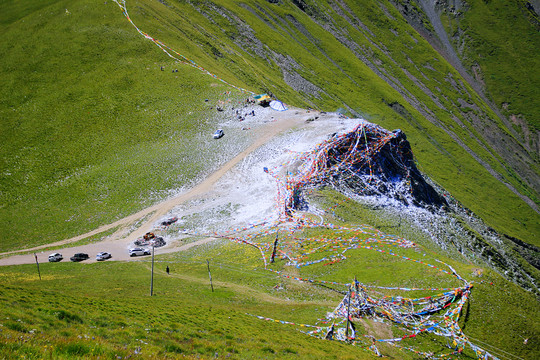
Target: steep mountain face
x,y
474,37
432,89
338,54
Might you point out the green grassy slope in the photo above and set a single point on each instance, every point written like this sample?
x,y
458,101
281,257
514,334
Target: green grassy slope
x,y
95,131
502,37
104,309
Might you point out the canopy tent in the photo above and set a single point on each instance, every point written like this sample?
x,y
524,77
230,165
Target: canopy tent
x,y
262,98
278,105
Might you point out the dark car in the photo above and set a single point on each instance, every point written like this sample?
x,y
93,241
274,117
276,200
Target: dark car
x,y
79,257
169,221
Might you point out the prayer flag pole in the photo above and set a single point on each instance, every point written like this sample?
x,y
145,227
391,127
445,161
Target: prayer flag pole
x,y
152,277
275,247
348,312
209,274
37,263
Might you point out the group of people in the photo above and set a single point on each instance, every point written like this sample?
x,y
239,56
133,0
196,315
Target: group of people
x,y
241,117
174,70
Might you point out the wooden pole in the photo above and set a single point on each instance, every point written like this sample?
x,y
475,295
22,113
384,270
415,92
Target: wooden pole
x,y
152,277
275,248
209,274
37,263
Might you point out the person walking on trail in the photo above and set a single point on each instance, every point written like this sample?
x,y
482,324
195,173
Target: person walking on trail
x,y
167,269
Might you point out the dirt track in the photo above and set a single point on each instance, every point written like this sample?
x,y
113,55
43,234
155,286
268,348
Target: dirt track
x,y
118,243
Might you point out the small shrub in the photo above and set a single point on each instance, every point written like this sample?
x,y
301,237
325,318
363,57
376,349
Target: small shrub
x,y
268,349
173,348
75,349
15,326
68,317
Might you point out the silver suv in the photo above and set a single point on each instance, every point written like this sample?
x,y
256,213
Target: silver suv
x,y
138,252
55,257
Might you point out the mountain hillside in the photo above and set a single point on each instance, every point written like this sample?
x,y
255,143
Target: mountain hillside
x,y
409,157
364,59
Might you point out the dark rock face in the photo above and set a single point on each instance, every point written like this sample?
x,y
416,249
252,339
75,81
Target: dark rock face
x,y
379,162
368,161
300,4
529,252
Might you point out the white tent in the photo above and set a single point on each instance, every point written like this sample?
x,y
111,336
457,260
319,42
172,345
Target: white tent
x,y
277,105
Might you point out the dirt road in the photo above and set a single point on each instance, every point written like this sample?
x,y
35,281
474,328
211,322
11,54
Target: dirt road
x,y
119,242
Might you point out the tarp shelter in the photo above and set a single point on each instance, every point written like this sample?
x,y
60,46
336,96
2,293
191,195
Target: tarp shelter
x,y
261,96
263,99
278,105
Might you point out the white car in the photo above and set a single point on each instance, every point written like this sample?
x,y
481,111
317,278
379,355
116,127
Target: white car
x,y
103,256
218,134
138,252
55,257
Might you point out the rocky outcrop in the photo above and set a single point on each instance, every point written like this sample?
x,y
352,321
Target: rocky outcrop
x,y
368,161
389,171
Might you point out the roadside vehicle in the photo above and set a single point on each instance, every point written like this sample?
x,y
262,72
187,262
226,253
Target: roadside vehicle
x,y
103,256
169,221
79,257
55,257
138,252
218,134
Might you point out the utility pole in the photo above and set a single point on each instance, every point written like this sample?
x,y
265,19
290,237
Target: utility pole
x,y
152,277
37,263
209,274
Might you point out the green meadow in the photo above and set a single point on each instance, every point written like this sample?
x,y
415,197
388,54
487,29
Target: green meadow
x,y
498,30
104,310
96,131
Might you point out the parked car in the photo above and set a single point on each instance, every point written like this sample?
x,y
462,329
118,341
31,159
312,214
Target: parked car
x,y
138,252
55,257
169,221
218,134
79,257
103,256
